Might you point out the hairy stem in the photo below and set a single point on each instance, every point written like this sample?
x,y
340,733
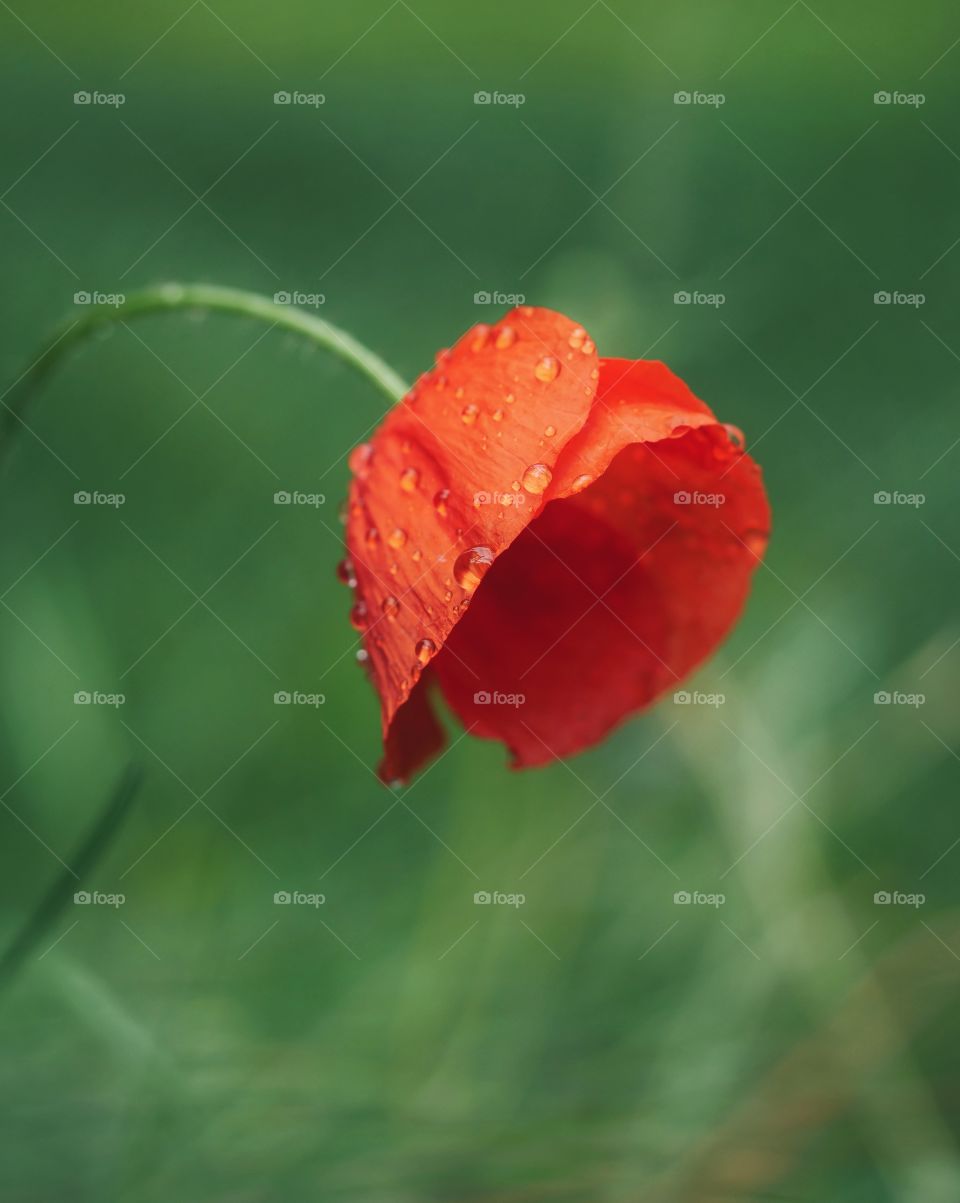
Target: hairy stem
x,y
167,298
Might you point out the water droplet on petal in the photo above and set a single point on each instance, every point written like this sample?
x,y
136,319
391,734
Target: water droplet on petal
x,y
362,655
479,339
506,337
390,607
441,382
447,595
345,573
372,536
736,436
424,650
409,479
497,415
360,458
536,478
397,538
471,566
588,346
417,556
440,502
547,369
469,414
756,542
576,338
509,398
358,616
579,483
550,431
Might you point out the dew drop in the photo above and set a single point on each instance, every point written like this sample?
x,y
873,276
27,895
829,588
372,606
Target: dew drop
x,y
579,483
441,383
536,478
345,573
424,650
362,655
509,398
756,542
390,607
550,431
469,414
577,337
409,479
360,458
417,556
372,536
479,338
471,566
515,485
736,436
447,596
506,337
497,415
358,616
397,538
440,502
547,369
588,347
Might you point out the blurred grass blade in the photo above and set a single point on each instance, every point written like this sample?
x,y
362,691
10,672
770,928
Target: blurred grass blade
x,y
61,892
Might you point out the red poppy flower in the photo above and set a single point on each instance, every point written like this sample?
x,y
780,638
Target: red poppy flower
x,y
551,538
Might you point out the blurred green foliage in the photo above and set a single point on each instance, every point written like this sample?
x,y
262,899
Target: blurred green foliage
x,y
399,1043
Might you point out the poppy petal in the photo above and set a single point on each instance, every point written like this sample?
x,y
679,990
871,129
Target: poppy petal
x,y
450,479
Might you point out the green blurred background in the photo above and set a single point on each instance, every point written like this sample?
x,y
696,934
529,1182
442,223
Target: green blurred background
x,y
399,1043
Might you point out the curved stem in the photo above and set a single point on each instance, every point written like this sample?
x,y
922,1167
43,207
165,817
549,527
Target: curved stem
x,y
167,298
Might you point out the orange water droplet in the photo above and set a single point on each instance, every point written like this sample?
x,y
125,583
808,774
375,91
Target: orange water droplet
x,y
509,398
417,556
358,616
360,458
756,542
576,338
460,392
536,478
424,650
588,346
394,569
390,607
497,415
547,369
409,479
441,382
469,414
506,337
345,573
440,502
397,538
447,595
515,485
579,483
471,566
479,339
372,536
526,310
736,436
550,431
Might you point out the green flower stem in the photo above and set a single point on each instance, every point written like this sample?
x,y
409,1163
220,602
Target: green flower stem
x,y
168,298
